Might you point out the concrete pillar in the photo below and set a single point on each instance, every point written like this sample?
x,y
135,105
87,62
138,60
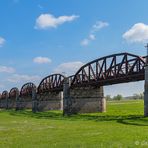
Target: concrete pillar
x,y
17,101
49,101
61,101
34,101
87,99
7,102
146,92
103,104
102,99
66,97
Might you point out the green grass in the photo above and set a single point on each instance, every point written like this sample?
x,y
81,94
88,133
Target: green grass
x,y
123,125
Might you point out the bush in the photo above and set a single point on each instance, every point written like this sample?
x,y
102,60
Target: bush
x,y
138,96
118,97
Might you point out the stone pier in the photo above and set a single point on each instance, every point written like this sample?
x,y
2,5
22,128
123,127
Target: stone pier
x,y
25,102
50,101
3,103
12,103
86,99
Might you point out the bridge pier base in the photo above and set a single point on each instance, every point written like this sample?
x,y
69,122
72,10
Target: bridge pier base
x,y
49,101
67,104
88,99
17,107
34,101
83,99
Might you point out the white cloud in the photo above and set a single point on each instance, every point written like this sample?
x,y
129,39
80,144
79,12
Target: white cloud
x,y
92,37
99,25
2,41
85,42
137,33
45,21
41,60
7,69
69,68
16,78
95,28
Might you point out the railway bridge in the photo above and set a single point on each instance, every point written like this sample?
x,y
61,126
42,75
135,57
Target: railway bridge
x,y
81,92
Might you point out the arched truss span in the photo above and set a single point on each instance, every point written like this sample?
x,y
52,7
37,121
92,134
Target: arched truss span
x,y
5,94
13,92
51,83
27,88
112,69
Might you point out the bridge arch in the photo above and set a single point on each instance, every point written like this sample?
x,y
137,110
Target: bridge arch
x,y
13,92
112,69
5,94
26,89
52,82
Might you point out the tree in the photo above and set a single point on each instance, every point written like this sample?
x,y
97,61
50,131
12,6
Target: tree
x,y
118,97
138,96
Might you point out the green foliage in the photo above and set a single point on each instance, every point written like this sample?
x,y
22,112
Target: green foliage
x,y
121,126
138,96
118,97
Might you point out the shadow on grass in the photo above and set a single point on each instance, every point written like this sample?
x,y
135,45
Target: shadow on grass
x,y
137,120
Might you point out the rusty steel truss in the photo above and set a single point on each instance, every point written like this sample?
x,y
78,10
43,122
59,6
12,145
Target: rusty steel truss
x,y
51,83
112,69
5,94
108,70
27,89
13,92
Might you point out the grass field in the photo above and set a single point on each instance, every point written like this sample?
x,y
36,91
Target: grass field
x,y
123,125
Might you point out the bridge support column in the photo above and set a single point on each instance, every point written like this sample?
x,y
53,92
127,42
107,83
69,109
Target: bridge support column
x,y
146,92
34,101
66,97
17,103
7,102
87,99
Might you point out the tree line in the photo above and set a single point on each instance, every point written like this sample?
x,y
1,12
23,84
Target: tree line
x,y
139,96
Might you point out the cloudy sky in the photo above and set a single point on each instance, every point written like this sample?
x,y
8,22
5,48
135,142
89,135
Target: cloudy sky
x,y
42,37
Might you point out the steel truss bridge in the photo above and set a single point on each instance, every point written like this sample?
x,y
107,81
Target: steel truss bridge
x,y
108,70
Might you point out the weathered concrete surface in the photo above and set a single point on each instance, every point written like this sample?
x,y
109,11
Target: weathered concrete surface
x,y
50,101
87,99
3,103
43,102
67,103
25,102
11,103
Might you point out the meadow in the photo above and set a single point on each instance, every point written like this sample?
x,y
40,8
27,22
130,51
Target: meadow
x,y
122,126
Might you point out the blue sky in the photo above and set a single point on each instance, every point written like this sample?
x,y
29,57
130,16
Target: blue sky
x,y
40,37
